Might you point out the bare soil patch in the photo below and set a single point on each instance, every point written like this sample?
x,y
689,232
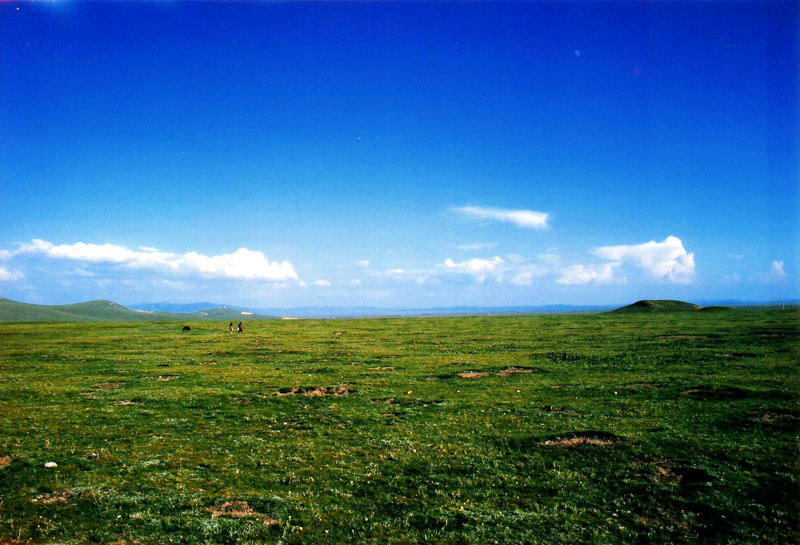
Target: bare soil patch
x,y
563,410
715,393
109,385
508,371
239,509
575,441
315,391
644,385
472,374
55,497
668,472
5,461
779,420
513,371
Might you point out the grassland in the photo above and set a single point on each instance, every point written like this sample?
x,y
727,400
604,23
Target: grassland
x,y
628,428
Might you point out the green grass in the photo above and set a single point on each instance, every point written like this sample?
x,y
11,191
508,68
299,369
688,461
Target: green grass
x,y
651,428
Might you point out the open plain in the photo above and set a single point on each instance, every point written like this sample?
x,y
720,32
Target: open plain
x,y
607,428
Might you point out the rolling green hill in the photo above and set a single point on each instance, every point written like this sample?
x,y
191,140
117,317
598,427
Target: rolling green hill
x,y
665,305
108,311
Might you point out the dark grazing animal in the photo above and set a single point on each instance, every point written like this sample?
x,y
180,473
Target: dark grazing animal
x,y
187,328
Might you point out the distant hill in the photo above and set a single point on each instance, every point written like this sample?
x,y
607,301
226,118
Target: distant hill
x,y
108,311
180,308
232,314
663,305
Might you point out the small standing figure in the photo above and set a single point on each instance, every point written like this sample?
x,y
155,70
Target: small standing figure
x,y
231,327
239,328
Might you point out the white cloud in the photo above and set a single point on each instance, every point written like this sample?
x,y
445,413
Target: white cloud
x,y
406,275
363,263
478,269
776,275
667,260
241,264
355,282
10,276
525,273
602,273
527,219
322,283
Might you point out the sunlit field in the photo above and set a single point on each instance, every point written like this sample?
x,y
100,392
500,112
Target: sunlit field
x,y
667,428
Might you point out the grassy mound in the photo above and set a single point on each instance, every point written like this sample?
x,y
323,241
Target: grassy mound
x,y
665,305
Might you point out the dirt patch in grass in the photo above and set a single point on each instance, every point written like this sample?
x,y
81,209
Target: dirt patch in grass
x,y
126,403
315,391
5,461
239,509
109,385
562,410
472,374
55,497
734,355
381,368
163,378
715,393
773,419
508,371
779,420
574,439
669,472
513,371
644,386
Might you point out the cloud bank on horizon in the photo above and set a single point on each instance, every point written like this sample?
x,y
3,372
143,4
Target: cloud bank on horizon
x,y
241,264
665,261
646,264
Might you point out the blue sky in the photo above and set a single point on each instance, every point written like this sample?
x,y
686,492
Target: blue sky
x,y
269,154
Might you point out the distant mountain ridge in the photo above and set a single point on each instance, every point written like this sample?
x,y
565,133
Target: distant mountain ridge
x,y
108,311
180,308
